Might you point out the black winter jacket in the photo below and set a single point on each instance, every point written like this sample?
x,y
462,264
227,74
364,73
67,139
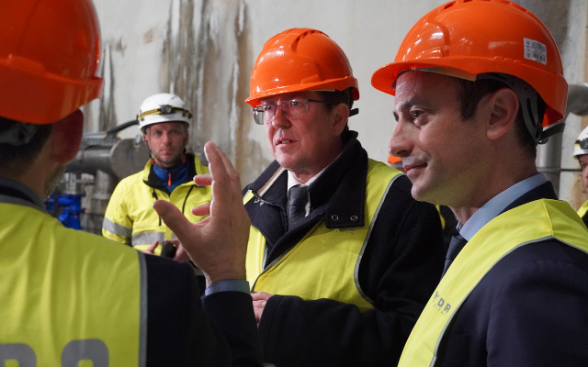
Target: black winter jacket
x,y
400,268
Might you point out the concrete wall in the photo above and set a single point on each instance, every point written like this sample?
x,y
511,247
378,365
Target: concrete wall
x,y
204,50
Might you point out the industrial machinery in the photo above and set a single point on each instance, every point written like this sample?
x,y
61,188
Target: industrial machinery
x,y
81,198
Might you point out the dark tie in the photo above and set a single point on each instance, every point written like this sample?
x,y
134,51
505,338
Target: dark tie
x,y
457,243
297,205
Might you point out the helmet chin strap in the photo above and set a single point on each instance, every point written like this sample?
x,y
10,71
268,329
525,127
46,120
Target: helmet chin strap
x,y
528,102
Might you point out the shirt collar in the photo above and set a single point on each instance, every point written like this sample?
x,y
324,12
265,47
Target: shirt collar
x,y
497,204
34,199
292,181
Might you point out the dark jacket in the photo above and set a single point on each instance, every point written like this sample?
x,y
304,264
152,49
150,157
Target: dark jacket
x,y
399,270
585,219
530,309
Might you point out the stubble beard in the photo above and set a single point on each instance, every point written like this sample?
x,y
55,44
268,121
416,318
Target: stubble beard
x,y
54,180
169,162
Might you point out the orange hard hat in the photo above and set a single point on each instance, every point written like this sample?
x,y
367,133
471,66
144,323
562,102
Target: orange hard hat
x,y
483,36
49,56
300,59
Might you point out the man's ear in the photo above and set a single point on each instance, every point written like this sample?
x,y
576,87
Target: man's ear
x,y
340,114
67,136
503,106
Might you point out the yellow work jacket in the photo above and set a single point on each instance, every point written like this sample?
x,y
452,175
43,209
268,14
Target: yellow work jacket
x,y
53,300
130,217
325,263
533,222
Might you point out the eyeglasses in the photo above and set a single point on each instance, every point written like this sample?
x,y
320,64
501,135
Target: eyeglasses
x,y
293,108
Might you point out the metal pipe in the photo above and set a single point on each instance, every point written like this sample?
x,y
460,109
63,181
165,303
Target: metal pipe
x,y
577,99
119,158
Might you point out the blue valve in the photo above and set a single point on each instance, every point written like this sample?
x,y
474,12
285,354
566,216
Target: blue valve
x,y
71,205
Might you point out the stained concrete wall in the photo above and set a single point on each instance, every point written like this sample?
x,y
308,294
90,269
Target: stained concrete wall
x,y
204,50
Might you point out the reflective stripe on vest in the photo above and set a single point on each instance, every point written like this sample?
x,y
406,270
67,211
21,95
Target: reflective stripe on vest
x,y
325,263
117,229
583,209
130,217
68,295
533,222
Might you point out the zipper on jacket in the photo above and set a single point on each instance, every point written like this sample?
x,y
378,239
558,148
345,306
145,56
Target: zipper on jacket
x,y
186,198
155,197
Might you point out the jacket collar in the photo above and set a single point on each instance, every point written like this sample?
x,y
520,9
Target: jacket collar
x,y
543,191
13,192
338,193
151,179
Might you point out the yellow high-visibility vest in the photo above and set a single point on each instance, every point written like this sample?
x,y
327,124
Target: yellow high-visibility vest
x,y
533,222
583,209
67,295
325,263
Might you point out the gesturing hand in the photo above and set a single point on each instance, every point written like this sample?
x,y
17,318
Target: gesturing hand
x,y
218,243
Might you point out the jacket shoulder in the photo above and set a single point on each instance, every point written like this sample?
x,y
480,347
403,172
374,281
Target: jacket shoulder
x,y
403,186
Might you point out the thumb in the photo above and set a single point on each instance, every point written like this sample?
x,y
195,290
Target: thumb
x,y
173,218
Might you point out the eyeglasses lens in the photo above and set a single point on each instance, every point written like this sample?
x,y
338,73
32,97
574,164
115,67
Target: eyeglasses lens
x,y
266,112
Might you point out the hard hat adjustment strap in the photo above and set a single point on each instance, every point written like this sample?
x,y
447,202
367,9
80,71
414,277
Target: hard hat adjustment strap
x,y
552,130
20,133
164,110
582,143
528,102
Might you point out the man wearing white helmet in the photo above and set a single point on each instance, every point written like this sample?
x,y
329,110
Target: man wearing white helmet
x,y
581,152
130,217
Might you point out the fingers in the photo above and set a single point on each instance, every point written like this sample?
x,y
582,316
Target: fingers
x,y
231,171
181,254
201,210
204,179
151,249
221,188
173,218
260,296
258,307
218,171
175,241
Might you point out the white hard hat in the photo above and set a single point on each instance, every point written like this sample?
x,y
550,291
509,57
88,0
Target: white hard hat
x,y
162,107
581,144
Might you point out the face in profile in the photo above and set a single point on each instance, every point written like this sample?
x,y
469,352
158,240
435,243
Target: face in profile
x,y
439,150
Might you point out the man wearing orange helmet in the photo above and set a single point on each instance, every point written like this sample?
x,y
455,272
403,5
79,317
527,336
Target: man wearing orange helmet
x,y
472,100
70,296
341,257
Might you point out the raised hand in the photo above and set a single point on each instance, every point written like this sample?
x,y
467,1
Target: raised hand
x,y
218,243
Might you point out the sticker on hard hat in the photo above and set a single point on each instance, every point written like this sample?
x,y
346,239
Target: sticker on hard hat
x,y
535,51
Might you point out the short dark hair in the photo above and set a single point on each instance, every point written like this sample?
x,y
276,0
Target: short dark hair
x,y
17,159
471,93
335,98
